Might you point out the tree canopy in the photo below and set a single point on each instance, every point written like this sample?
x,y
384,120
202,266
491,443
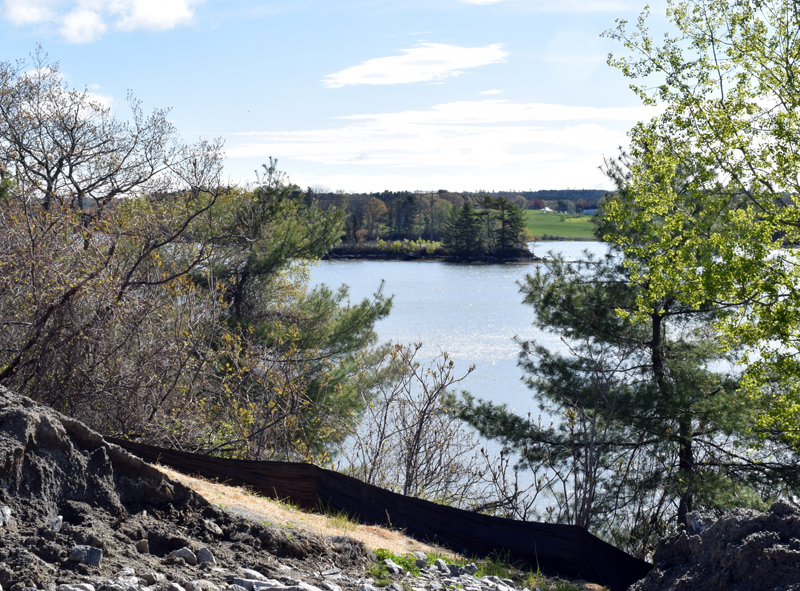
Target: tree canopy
x,y
711,200
141,295
648,423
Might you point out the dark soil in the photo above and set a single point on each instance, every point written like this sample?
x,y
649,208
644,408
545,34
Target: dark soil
x,y
744,550
51,466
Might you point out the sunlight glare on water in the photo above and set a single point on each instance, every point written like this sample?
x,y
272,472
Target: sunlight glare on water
x,y
473,312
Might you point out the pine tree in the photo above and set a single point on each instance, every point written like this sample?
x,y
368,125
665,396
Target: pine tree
x,y
644,429
461,232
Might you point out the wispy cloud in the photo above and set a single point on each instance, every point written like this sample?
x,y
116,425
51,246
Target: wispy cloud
x,y
427,62
84,21
472,135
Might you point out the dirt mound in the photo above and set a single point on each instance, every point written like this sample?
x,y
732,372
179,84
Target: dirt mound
x,y
63,487
744,550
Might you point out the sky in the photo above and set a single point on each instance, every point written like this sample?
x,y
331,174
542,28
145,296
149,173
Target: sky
x,y
359,95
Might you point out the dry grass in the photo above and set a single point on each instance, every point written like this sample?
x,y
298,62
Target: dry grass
x,y
242,501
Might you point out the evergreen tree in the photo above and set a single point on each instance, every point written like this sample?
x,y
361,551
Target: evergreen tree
x,y
644,429
461,231
512,224
261,243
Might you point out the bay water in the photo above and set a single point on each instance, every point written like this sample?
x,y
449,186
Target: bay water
x,y
471,311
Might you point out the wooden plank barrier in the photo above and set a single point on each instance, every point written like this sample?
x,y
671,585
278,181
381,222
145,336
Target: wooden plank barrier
x,y
553,549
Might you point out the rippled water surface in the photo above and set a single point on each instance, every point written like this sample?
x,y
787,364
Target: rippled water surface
x,y
471,311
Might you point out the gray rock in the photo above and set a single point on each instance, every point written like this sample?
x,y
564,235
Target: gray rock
x,y
55,524
212,527
88,555
76,587
143,547
128,582
253,575
255,584
186,554
201,585
204,555
5,515
235,587
471,568
392,566
153,578
328,586
301,586
175,587
368,587
454,569
332,573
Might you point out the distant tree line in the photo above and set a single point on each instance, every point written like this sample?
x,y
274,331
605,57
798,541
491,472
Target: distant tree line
x,y
439,216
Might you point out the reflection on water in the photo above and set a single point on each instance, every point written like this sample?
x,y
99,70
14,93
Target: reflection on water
x,y
471,311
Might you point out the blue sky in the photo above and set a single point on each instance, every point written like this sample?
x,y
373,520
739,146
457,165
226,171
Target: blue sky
x,y
359,95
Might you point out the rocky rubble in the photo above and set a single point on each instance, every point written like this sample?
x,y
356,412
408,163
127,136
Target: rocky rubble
x,y
80,514
744,550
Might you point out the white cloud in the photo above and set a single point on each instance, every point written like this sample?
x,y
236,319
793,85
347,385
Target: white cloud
x,y
28,12
582,173
154,15
482,1
427,62
84,21
495,91
82,26
475,139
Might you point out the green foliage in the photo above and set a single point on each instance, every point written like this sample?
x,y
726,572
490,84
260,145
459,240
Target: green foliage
x,y
498,565
496,228
644,429
713,180
179,314
461,232
407,561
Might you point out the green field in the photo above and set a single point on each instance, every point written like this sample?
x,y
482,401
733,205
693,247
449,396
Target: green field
x,y
555,225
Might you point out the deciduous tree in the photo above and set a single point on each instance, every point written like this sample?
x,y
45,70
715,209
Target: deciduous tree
x,y
644,429
714,181
139,294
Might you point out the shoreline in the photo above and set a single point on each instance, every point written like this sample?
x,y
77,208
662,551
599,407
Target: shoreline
x,y
433,258
371,254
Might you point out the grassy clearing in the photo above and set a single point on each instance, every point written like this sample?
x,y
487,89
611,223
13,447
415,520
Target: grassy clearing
x,y
556,225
